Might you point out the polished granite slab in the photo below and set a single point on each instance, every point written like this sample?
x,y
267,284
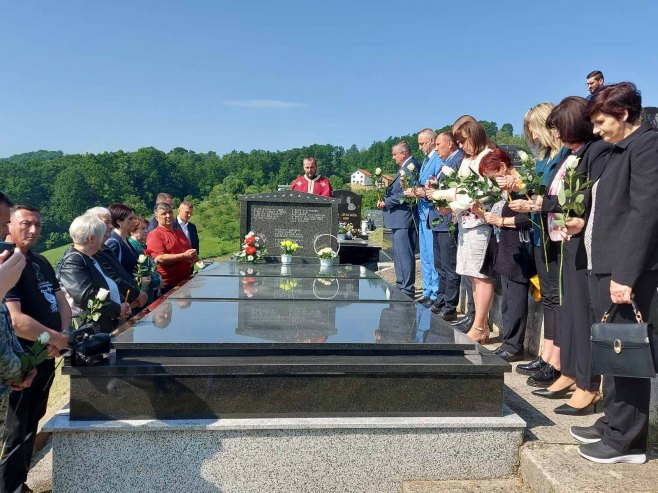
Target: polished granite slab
x,y
296,269
320,288
177,324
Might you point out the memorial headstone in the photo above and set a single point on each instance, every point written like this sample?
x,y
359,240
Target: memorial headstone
x,y
377,217
288,215
349,207
650,115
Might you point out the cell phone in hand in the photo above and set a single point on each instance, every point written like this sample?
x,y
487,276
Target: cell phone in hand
x,y
7,246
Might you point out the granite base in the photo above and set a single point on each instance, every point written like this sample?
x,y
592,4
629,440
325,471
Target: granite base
x,y
279,455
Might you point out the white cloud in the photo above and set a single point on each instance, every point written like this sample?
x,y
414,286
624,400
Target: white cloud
x,y
269,104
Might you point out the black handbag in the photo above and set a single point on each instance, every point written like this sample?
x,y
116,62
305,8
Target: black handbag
x,y
623,349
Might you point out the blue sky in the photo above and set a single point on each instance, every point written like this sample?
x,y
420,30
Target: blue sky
x,y
83,76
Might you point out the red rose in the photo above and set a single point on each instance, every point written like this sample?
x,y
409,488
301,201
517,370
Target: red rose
x,y
147,252
249,280
250,240
250,250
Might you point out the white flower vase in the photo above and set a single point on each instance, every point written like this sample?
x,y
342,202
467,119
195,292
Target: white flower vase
x,y
286,259
325,263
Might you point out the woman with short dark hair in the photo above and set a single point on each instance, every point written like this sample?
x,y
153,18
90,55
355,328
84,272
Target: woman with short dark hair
x,y
621,242
123,220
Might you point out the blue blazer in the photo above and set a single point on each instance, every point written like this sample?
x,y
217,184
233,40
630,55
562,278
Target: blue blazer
x,y
399,215
430,169
453,161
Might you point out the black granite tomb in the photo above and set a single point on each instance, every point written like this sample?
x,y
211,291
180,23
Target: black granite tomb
x,y
196,355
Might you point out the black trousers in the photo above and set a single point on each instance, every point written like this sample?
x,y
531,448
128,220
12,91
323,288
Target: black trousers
x,y
575,321
445,263
625,421
549,284
26,408
515,314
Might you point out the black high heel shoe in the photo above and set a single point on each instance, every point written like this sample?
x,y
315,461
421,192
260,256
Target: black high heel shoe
x,y
590,408
554,394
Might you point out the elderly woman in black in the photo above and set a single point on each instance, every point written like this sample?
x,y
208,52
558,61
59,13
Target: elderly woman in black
x,y
82,276
621,241
587,154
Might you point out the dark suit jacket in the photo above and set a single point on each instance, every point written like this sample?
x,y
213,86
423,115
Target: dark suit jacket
x,y
399,215
625,230
593,157
194,237
113,268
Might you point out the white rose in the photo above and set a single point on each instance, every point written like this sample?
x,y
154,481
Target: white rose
x,y
102,294
447,171
411,167
250,258
523,155
43,338
402,173
378,171
141,259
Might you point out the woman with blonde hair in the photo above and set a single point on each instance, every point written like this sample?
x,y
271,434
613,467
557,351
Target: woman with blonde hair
x,y
545,369
474,232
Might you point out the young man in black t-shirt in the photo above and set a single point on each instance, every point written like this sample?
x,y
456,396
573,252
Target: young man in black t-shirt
x,y
36,305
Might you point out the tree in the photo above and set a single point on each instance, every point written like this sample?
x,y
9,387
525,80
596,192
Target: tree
x,y
490,128
507,129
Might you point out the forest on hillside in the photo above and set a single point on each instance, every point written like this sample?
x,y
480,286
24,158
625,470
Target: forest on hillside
x,y
63,186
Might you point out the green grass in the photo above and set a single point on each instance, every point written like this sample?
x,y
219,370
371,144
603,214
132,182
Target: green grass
x,y
210,246
54,254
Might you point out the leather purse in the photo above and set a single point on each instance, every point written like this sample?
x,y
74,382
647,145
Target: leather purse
x,y
623,349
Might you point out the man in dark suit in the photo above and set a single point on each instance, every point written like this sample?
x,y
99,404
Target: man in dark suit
x,y
445,242
166,198
185,211
401,219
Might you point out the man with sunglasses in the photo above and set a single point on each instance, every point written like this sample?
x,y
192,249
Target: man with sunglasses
x,y
36,305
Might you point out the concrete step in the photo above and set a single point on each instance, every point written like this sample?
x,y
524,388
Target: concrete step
x,y
510,485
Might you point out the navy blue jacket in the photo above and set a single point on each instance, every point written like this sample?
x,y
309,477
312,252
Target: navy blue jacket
x,y
400,215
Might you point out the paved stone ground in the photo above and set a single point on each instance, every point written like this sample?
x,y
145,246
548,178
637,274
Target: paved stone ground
x,y
549,461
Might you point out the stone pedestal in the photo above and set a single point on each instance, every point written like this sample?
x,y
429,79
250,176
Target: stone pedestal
x,y
279,455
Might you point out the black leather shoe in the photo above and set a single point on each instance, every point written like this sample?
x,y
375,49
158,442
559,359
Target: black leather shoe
x,y
553,394
466,321
437,306
544,377
531,368
509,357
448,315
580,411
423,299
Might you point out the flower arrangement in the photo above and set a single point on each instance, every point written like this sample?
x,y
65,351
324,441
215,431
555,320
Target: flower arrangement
x,y
94,305
144,269
531,179
326,253
252,248
378,182
288,247
408,179
35,356
345,228
288,285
